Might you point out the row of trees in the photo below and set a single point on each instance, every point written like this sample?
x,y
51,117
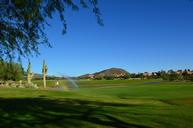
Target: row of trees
x,y
11,71
173,76
170,75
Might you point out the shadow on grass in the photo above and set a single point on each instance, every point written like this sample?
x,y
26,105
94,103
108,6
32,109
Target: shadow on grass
x,y
43,112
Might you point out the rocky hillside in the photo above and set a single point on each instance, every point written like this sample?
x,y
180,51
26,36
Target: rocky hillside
x,y
106,74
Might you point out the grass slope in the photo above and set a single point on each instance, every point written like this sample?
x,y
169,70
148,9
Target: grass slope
x,y
122,104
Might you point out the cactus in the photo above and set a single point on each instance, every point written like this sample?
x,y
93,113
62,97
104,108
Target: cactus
x,y
29,73
44,72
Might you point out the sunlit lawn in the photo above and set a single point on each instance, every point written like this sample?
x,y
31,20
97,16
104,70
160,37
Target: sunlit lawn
x,y
118,103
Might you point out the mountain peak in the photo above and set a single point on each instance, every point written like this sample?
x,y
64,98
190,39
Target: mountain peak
x,y
107,73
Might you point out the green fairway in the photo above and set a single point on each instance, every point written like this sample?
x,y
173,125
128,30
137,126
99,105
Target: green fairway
x,y
118,103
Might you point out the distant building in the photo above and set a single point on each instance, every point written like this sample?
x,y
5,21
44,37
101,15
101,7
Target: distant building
x,y
179,72
189,72
154,73
147,74
90,76
120,75
186,71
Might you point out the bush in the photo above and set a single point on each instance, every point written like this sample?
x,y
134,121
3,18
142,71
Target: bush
x,y
11,71
109,77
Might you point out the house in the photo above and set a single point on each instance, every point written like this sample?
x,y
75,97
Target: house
x,y
147,74
90,76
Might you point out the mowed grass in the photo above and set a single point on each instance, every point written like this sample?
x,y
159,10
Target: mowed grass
x,y
119,103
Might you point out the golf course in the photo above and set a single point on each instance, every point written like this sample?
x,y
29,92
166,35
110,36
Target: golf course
x,y
100,103
96,64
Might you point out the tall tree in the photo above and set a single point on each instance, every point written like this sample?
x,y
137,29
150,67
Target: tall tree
x,y
11,71
22,23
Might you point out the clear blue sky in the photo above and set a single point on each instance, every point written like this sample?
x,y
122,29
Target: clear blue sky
x,y
139,35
